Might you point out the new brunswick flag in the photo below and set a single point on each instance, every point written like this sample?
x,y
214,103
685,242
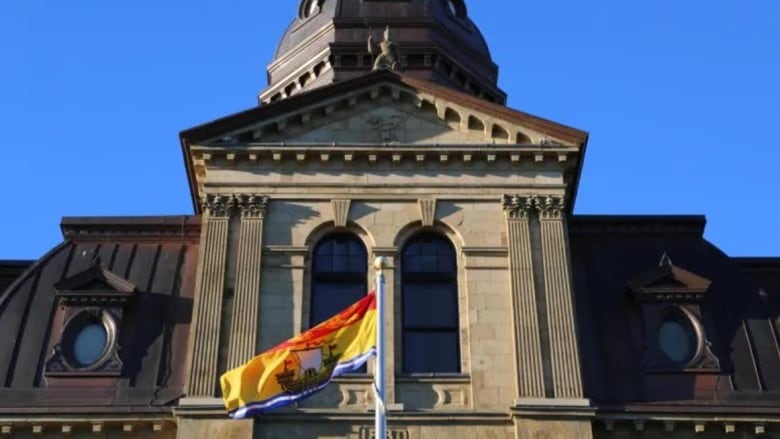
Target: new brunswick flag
x,y
303,365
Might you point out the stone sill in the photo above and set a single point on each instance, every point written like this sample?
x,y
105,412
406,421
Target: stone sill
x,y
433,378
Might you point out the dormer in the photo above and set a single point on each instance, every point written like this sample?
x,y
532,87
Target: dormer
x,y
675,337
88,323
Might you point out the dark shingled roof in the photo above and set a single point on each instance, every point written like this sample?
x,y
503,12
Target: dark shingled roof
x,y
740,315
159,256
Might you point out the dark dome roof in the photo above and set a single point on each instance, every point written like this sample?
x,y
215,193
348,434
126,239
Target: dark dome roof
x,y
437,41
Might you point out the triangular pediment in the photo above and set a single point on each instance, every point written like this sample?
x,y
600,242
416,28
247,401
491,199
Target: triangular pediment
x,y
392,123
667,281
96,283
376,117
384,108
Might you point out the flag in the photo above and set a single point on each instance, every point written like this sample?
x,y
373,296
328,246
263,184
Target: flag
x,y
304,365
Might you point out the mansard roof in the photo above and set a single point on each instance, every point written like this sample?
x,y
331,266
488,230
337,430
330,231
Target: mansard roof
x,y
154,259
741,313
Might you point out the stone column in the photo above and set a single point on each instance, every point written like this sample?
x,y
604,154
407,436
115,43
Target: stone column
x,y
528,353
243,330
560,310
205,328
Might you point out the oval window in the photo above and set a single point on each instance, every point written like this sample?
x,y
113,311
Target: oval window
x,y
677,341
310,7
90,344
456,8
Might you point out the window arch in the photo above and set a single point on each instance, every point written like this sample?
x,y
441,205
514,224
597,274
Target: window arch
x,y
429,297
339,276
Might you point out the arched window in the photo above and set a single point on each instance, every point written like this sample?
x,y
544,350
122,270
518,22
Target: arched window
x,y
338,279
429,285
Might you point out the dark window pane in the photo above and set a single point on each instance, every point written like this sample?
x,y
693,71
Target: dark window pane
x,y
430,306
330,298
431,352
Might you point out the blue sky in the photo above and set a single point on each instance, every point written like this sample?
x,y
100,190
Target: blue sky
x,y
681,98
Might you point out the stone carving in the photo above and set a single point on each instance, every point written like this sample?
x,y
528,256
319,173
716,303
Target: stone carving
x,y
341,212
517,207
551,207
223,206
220,206
386,55
253,206
451,396
355,396
427,211
368,433
387,127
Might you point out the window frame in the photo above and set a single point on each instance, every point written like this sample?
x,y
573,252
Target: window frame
x,y
450,278
329,277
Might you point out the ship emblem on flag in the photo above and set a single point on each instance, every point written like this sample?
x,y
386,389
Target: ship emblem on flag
x,y
311,369
303,365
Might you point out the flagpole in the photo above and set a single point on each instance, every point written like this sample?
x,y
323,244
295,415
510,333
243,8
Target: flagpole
x,y
380,421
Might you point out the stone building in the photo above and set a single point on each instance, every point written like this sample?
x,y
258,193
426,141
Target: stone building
x,y
511,317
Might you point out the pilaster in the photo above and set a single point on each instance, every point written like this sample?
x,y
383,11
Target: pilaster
x,y
565,356
210,283
243,331
392,303
528,353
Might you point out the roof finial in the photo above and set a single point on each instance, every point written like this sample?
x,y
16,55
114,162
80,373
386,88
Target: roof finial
x,y
666,261
387,57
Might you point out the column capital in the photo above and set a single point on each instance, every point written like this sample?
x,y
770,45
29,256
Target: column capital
x,y
551,207
518,206
218,205
253,206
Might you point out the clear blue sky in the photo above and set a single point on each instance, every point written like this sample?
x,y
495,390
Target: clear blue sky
x,y
682,100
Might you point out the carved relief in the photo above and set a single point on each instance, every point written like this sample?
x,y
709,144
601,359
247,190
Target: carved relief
x,y
387,128
368,433
358,396
450,397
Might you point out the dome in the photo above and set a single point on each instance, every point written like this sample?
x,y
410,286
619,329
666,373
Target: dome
x,y
436,40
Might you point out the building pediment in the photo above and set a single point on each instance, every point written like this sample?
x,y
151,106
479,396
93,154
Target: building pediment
x,y
667,282
379,114
95,284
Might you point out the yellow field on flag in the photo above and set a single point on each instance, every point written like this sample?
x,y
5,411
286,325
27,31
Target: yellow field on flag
x,y
303,365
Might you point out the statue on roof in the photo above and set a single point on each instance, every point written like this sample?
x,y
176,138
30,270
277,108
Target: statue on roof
x,y
387,54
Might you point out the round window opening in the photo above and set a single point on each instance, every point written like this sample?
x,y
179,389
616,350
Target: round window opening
x,y
87,338
90,344
677,341
310,7
456,8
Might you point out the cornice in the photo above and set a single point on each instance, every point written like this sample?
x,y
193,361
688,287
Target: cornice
x,y
204,156
135,229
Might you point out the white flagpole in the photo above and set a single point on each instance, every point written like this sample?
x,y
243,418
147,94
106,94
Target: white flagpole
x,y
380,422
